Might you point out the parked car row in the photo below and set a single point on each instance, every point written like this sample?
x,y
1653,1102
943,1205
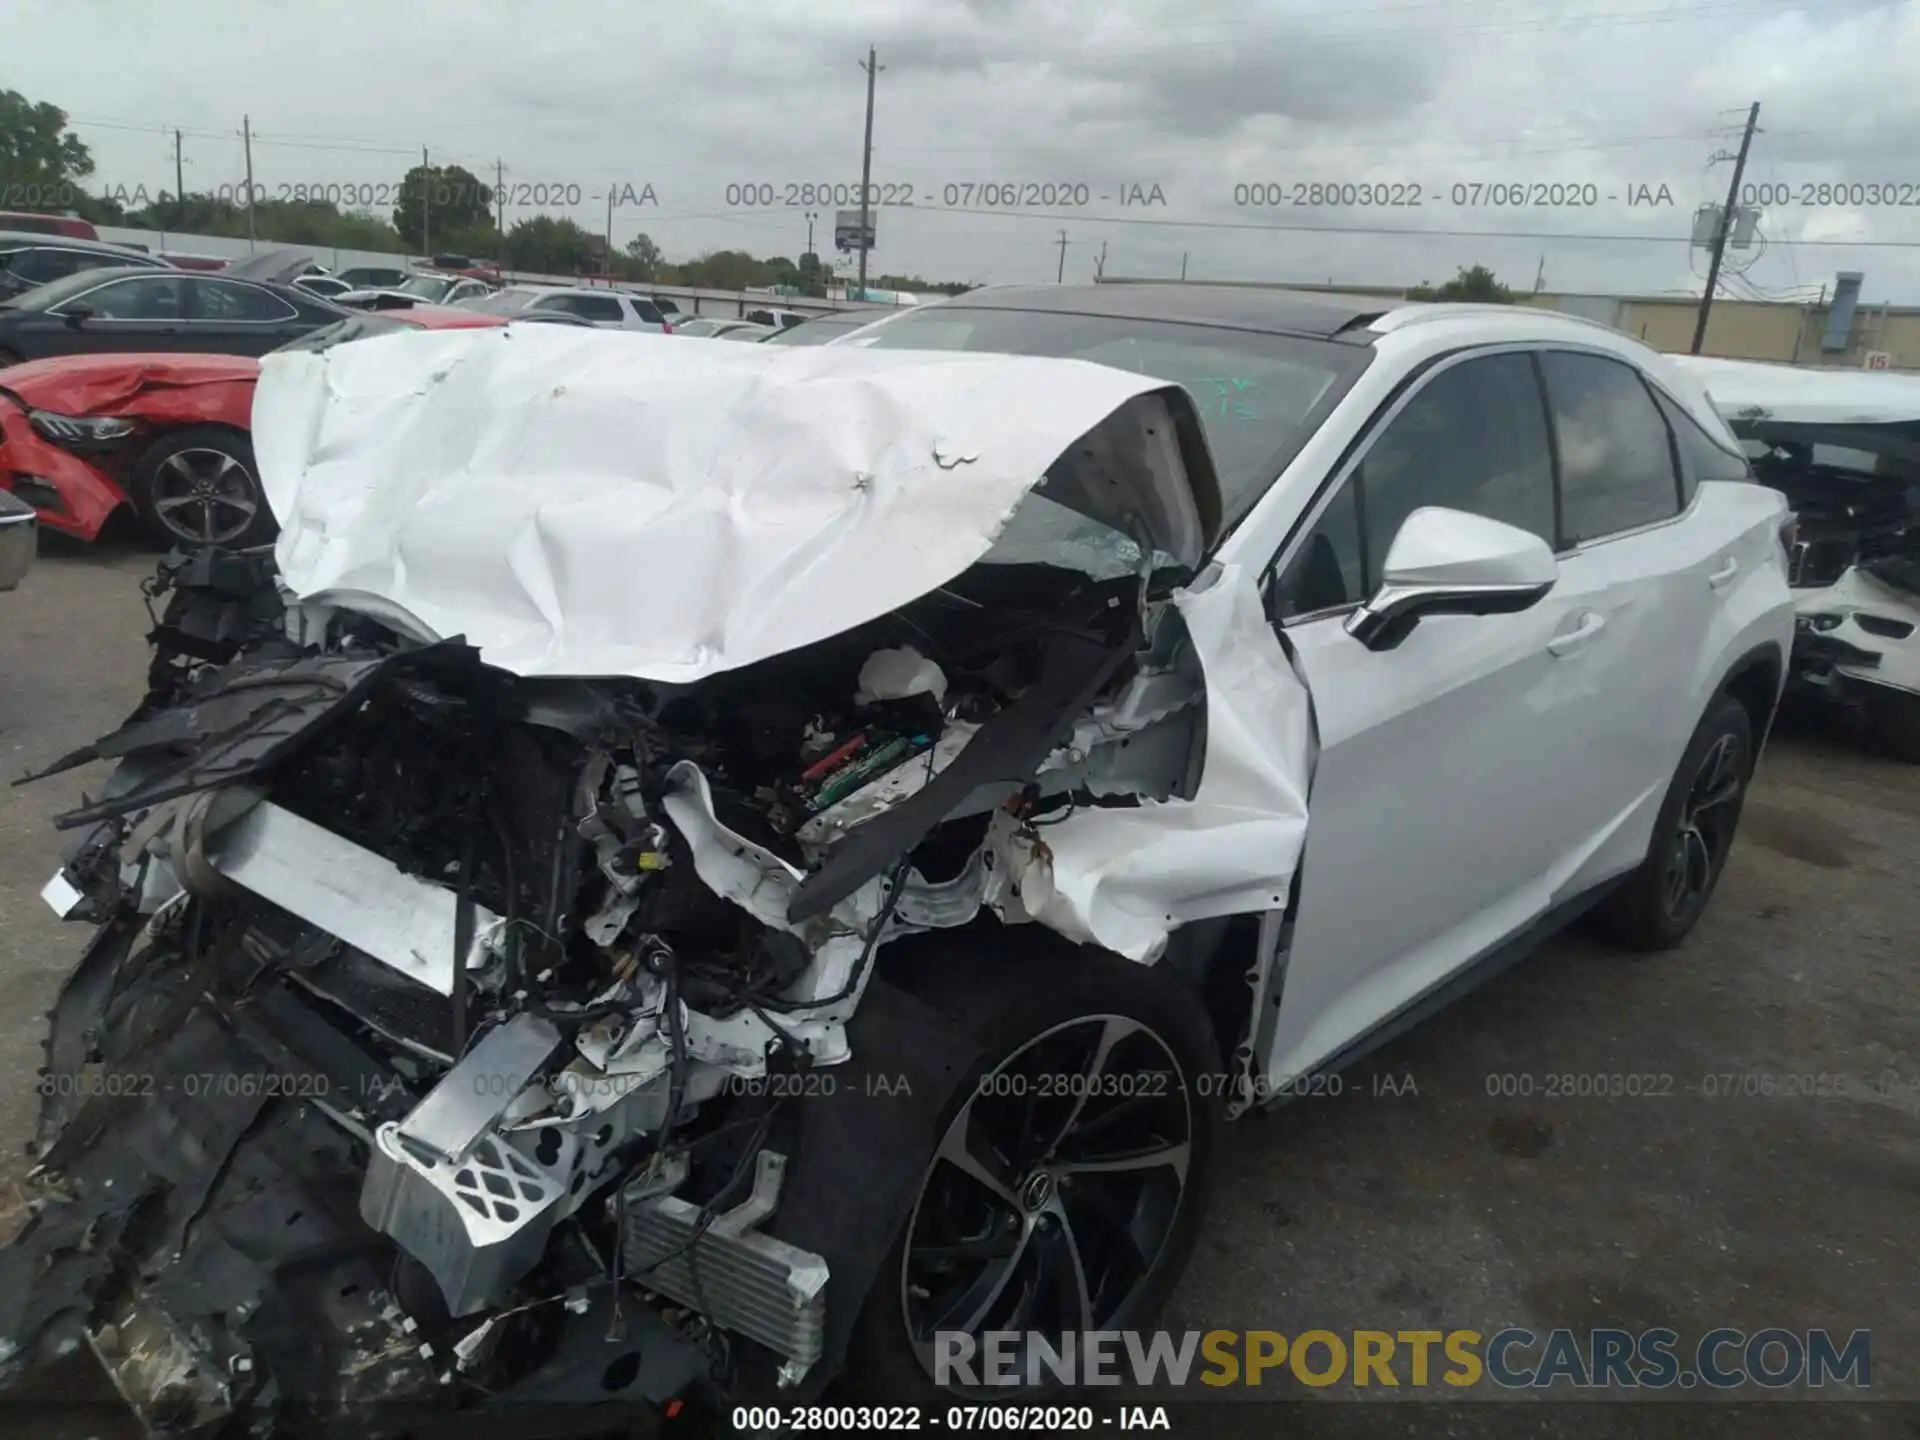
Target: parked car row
x,y
166,437
1252,667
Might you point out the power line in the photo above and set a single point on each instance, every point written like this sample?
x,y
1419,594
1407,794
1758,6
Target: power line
x,y
1085,218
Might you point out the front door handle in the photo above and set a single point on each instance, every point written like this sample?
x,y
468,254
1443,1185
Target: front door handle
x,y
1720,578
1592,622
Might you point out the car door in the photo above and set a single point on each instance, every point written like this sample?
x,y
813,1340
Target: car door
x,y
233,317
135,312
1439,802
1647,569
603,310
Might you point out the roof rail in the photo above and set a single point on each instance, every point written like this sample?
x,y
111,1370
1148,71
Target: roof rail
x,y
1426,312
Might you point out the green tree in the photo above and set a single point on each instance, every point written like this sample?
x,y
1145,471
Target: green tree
x,y
721,270
543,244
288,222
439,203
643,258
1473,282
41,162
913,284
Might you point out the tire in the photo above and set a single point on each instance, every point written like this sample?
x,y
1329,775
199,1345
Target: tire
x,y
199,486
1662,900
1040,1010
1895,718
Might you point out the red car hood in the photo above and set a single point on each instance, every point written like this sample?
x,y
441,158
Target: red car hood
x,y
109,384
442,317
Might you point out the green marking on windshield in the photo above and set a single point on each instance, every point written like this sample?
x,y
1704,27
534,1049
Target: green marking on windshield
x,y
1220,396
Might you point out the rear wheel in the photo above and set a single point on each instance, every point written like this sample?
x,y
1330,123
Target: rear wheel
x,y
200,486
1067,1182
1662,900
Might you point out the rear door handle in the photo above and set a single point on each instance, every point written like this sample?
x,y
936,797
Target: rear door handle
x,y
1719,578
1592,622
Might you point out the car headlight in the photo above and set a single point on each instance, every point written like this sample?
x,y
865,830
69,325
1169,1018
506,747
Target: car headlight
x,y
79,429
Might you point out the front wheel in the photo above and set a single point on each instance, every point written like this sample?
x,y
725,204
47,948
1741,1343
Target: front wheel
x,y
1663,899
199,486
1066,1184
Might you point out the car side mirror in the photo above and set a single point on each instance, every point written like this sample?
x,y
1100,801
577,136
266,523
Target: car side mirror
x,y
1447,562
76,315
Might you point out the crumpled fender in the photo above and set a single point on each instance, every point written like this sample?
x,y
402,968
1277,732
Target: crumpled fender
x,y
87,495
163,389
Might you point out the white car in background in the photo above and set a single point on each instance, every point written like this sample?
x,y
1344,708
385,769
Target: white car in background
x,y
1844,447
604,308
1096,735
419,289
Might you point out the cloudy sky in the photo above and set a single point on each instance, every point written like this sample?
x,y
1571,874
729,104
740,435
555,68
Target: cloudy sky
x,y
1092,97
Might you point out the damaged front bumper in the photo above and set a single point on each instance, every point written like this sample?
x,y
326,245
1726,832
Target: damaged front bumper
x,y
68,494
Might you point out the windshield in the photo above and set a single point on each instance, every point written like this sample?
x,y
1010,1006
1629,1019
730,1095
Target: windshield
x,y
427,287
1259,396
818,332
42,297
357,326
510,301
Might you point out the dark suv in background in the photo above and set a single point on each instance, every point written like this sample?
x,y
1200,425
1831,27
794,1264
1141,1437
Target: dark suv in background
x,y
28,259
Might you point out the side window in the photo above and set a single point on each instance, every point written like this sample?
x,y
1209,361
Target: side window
x,y
1328,570
645,309
155,297
225,300
1617,468
37,267
1701,458
1473,438
596,307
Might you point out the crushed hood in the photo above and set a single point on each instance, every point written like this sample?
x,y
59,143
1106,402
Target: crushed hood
x,y
605,503
1749,391
107,384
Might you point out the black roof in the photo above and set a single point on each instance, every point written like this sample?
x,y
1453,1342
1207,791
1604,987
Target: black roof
x,y
15,238
1317,314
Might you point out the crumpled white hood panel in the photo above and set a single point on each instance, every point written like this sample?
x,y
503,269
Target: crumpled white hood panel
x,y
1799,395
1124,878
594,503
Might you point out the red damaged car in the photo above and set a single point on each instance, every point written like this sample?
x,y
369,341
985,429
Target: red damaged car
x,y
83,437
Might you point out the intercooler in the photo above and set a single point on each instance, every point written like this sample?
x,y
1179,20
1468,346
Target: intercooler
x,y
722,1266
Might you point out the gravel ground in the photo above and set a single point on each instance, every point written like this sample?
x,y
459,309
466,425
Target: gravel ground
x,y
1446,1186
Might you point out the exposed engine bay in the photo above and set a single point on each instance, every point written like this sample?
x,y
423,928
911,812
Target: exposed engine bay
x,y
539,961
507,982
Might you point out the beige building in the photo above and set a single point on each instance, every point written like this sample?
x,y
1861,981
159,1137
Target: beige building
x,y
1757,330
1737,329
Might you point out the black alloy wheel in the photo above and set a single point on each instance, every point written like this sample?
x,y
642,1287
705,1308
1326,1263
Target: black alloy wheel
x,y
1055,1189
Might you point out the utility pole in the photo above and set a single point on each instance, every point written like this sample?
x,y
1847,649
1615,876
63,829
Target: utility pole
x,y
872,67
246,140
426,205
1100,265
1724,229
812,215
179,179
1061,275
500,198
1540,275
1183,266
609,265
